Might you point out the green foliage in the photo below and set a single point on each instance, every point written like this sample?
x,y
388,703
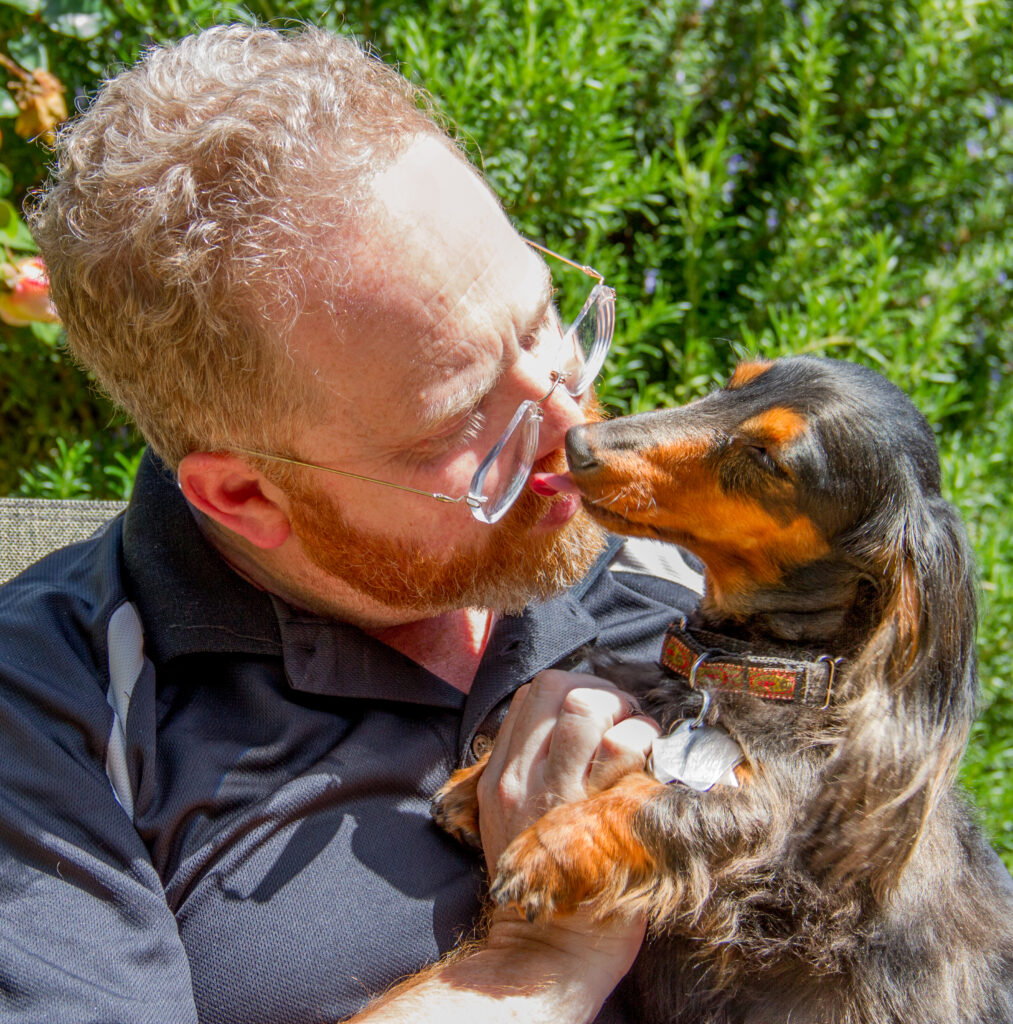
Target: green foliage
x,y
78,471
979,479
768,176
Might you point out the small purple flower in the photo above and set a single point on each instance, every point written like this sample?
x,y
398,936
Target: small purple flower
x,y
1002,277
988,111
773,219
680,77
725,105
736,162
650,281
975,150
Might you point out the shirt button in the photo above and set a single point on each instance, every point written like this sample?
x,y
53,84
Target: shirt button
x,y
481,745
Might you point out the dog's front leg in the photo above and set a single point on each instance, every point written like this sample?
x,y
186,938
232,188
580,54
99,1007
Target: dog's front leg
x,y
455,806
580,853
664,849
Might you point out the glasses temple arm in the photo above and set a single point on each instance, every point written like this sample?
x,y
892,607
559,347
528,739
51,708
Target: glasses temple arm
x,y
471,501
590,271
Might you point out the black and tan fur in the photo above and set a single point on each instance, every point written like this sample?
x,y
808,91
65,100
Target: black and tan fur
x,y
844,882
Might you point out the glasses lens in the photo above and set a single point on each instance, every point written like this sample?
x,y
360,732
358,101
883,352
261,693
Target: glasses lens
x,y
588,340
504,471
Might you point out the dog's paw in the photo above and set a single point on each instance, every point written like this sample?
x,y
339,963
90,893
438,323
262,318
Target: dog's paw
x,y
584,854
550,868
455,806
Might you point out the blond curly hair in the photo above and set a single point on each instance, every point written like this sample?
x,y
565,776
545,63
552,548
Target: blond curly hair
x,y
195,205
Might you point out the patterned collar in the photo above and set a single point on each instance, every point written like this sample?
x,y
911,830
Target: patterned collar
x,y
711,661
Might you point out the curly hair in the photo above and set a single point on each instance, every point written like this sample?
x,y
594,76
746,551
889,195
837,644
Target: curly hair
x,y
197,203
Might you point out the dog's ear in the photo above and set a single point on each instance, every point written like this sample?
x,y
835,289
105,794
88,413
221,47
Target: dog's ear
x,y
909,703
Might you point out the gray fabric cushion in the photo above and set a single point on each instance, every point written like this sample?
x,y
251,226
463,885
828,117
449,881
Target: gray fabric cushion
x,y
32,527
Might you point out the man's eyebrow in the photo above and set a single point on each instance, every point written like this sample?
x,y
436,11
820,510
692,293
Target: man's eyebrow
x,y
454,406
467,399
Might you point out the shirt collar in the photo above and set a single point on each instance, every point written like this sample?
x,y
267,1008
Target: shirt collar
x,y
190,600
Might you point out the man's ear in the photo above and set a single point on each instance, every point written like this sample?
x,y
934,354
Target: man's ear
x,y
235,495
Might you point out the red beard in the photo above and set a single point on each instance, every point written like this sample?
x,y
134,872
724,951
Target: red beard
x,y
505,573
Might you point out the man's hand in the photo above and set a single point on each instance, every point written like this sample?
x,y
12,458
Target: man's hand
x,y
567,736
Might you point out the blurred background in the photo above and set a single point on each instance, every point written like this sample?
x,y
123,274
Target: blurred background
x,y
760,177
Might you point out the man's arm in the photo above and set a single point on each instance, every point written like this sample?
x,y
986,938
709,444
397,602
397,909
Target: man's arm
x,y
566,736
557,973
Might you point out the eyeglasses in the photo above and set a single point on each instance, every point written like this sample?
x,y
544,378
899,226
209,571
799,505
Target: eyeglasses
x,y
501,475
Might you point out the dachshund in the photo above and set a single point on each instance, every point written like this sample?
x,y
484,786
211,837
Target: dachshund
x,y
832,874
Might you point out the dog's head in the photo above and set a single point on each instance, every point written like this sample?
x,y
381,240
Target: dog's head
x,y
787,465
806,481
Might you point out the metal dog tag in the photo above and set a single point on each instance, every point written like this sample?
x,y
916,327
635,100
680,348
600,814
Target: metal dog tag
x,y
700,756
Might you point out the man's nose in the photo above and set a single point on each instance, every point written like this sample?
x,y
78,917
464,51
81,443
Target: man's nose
x,y
560,412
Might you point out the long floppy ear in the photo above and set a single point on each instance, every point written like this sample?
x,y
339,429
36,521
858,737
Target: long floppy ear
x,y
909,705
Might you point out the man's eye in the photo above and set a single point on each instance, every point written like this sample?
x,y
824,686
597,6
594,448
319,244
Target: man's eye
x,y
457,437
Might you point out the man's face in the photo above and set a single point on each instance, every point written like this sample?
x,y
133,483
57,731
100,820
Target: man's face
x,y
446,329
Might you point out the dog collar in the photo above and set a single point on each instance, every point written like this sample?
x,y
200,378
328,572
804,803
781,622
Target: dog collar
x,y
723,663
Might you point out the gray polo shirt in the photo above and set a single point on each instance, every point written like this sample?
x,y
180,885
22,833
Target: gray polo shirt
x,y
215,807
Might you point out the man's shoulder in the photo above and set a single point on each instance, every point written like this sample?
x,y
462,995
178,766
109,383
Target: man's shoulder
x,y
54,615
656,571
643,557
640,589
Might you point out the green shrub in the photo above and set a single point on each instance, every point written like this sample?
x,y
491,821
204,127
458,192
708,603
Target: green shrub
x,y
762,177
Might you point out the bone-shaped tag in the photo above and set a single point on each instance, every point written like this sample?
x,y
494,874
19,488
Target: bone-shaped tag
x,y
700,756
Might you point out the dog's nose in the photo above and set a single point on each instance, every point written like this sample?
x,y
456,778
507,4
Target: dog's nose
x,y
578,451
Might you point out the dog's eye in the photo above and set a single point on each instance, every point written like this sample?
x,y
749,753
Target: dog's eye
x,y
760,454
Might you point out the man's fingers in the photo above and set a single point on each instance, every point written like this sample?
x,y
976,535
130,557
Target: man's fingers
x,y
535,709
585,716
507,729
623,749
543,754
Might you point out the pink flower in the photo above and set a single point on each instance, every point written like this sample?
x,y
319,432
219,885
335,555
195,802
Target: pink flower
x,y
24,297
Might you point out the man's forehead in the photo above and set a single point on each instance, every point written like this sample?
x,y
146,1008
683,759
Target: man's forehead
x,y
441,288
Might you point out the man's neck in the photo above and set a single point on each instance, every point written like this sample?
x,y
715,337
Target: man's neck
x,y
450,645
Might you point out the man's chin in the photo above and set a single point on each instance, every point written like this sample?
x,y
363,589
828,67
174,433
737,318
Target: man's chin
x,y
556,553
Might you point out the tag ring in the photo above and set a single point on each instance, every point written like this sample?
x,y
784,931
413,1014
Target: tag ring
x,y
705,694
835,664
696,665
704,708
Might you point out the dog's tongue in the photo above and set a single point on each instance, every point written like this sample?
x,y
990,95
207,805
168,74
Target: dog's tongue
x,y
548,484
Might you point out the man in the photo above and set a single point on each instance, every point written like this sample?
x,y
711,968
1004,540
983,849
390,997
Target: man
x,y
223,718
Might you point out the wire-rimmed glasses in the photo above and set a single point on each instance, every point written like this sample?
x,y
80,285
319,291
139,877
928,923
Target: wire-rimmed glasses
x,y
501,475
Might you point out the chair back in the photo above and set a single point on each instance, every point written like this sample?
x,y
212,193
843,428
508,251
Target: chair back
x,y
32,527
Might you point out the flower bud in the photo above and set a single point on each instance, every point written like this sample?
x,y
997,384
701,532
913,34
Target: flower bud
x,y
24,297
